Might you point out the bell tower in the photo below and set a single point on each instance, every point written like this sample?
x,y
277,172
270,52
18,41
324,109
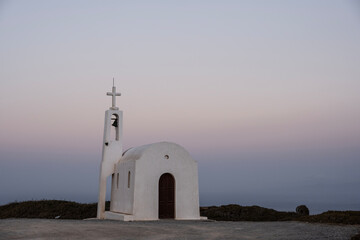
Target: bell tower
x,y
112,148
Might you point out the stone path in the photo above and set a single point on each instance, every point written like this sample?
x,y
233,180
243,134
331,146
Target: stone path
x,y
158,230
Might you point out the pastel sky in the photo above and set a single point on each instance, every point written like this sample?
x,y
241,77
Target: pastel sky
x,y
265,95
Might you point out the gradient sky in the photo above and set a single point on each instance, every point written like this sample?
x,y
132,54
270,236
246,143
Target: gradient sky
x,y
265,95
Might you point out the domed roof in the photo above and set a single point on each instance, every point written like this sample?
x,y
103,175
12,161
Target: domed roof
x,y
163,148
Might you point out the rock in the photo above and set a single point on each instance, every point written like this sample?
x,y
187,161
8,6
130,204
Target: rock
x,y
356,237
302,210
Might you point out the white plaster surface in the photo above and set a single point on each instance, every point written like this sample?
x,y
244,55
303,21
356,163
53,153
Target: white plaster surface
x,y
146,164
135,176
111,154
122,198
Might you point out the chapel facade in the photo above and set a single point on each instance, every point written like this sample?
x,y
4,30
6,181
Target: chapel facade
x,y
149,182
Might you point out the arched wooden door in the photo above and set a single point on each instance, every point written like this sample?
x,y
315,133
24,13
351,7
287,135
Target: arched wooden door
x,y
167,196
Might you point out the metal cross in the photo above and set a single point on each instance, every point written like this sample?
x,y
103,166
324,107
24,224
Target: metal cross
x,y
113,94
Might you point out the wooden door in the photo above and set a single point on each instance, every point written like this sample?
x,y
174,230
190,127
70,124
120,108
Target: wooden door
x,y
167,196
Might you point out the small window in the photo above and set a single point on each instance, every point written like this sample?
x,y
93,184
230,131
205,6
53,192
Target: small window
x,y
129,179
117,181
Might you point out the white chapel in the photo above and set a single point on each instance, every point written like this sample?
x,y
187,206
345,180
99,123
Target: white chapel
x,y
150,182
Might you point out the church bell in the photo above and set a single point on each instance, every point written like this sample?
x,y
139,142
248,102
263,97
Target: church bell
x,y
115,123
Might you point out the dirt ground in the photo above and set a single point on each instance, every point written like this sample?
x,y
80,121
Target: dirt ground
x,y
105,229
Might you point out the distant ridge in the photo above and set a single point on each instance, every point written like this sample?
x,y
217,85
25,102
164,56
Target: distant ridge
x,y
233,212
49,209
57,209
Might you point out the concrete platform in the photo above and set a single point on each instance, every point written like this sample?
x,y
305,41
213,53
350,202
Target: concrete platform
x,y
170,229
118,216
127,217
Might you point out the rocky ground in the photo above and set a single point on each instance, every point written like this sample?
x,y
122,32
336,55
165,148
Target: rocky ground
x,y
58,229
